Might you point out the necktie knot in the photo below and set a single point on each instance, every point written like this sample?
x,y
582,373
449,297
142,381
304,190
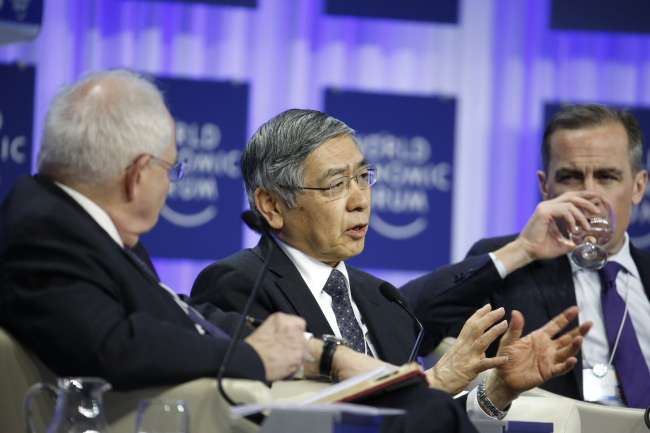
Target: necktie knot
x,y
335,285
608,274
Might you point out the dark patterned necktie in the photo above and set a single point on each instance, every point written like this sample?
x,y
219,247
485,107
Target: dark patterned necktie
x,y
631,367
342,306
140,262
209,327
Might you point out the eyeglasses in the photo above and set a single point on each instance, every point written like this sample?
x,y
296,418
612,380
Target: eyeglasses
x,y
175,171
366,177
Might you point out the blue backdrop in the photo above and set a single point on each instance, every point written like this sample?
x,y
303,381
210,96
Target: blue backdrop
x,y
201,218
416,10
16,117
497,62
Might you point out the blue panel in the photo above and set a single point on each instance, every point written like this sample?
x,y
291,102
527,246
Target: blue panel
x,y
601,15
16,123
639,228
21,12
19,20
201,219
411,139
243,3
416,10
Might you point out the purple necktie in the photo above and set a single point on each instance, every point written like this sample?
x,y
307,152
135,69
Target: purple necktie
x,y
631,367
140,262
209,327
342,306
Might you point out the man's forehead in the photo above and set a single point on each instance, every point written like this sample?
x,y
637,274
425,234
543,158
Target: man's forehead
x,y
579,154
337,153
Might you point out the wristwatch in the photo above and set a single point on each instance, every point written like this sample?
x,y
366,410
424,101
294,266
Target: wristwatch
x,y
330,343
487,406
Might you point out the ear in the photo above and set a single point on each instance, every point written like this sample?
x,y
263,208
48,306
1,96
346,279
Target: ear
x,y
541,177
133,177
640,182
267,204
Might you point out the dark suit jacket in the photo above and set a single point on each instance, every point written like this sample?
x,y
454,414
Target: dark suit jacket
x,y
228,283
86,308
540,290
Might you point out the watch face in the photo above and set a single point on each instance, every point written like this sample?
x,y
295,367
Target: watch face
x,y
333,338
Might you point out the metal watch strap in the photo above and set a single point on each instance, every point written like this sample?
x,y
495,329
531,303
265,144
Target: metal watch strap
x,y
330,343
487,405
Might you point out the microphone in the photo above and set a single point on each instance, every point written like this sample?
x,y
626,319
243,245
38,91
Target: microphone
x,y
255,223
392,295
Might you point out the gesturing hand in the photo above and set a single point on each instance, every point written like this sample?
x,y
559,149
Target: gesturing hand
x,y
535,358
465,359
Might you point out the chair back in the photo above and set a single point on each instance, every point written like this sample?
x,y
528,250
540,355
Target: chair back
x,y
20,370
208,410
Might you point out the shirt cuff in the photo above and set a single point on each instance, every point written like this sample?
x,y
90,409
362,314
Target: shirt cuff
x,y
497,264
300,373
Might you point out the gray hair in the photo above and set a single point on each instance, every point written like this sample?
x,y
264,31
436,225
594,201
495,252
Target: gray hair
x,y
588,115
274,157
100,124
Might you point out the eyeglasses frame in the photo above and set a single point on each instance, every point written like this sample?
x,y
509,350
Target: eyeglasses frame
x,y
368,167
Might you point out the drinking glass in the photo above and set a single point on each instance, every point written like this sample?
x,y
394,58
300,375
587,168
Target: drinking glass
x,y
163,416
589,253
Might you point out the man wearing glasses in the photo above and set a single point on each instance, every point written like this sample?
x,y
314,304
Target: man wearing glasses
x,y
78,288
307,178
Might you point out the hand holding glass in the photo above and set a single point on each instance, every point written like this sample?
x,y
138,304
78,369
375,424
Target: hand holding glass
x,y
163,416
589,253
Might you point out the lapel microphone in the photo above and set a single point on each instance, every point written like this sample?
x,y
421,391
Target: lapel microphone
x,y
255,223
392,295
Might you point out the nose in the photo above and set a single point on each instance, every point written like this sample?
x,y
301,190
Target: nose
x,y
358,199
589,184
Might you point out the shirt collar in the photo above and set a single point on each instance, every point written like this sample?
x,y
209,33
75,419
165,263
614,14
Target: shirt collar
x,y
97,213
315,273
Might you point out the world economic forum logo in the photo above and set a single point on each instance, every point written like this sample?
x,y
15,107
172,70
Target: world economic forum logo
x,y
207,165
407,177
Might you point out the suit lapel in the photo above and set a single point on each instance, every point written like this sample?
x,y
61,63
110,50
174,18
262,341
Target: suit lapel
x,y
642,260
555,282
286,280
391,329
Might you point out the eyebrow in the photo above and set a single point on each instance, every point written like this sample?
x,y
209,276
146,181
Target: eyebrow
x,y
598,172
614,172
567,171
338,171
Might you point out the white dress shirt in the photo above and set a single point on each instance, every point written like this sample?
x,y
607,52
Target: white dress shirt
x,y
588,287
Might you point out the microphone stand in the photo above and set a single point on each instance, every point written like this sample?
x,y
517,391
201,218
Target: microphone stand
x,y
392,295
255,224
